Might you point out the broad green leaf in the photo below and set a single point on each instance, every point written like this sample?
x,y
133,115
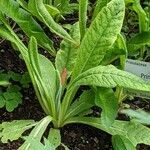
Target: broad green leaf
x,y
66,56
99,5
83,6
54,137
13,130
38,9
105,98
100,36
37,145
37,132
138,41
84,103
110,77
45,75
26,22
135,132
122,143
137,115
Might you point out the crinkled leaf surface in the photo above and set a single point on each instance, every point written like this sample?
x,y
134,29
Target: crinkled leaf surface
x,y
54,137
110,77
13,130
100,36
99,5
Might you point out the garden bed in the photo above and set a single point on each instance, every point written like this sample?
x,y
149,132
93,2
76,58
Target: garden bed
x,y
84,69
76,136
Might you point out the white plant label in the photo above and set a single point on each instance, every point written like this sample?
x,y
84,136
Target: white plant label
x,y
140,69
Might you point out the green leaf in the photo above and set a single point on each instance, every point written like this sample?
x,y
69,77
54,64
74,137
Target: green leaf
x,y
66,56
121,142
138,41
53,11
12,100
65,6
137,115
13,130
110,77
99,5
26,22
83,5
35,144
4,77
2,101
14,76
115,52
45,76
13,88
54,137
25,80
100,36
84,103
135,132
38,9
105,98
36,133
